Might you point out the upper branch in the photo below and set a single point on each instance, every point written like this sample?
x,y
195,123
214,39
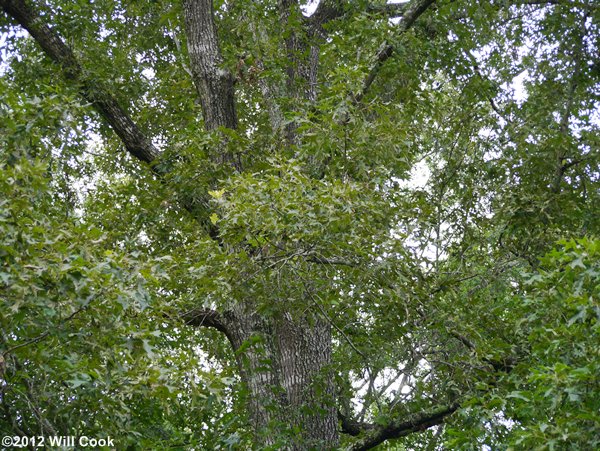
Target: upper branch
x,y
326,11
135,141
329,10
414,10
214,83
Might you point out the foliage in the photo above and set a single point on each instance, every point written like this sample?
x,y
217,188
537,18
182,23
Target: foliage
x,y
549,400
555,397
420,223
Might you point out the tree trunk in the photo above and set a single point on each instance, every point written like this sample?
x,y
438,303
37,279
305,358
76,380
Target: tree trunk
x,y
284,361
285,365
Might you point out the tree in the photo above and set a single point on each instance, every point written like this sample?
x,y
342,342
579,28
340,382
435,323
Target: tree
x,y
239,183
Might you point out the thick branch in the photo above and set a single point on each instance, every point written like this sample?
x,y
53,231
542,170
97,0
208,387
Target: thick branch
x,y
397,429
132,137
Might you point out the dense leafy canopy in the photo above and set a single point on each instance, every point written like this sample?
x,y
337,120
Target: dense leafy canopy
x,y
442,218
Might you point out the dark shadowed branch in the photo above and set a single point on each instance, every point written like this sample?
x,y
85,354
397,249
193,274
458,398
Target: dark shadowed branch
x,y
402,428
205,318
353,427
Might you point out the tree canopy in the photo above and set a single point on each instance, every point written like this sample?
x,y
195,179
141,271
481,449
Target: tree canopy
x,y
301,224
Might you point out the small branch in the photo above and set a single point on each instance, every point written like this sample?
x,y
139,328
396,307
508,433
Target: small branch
x,y
464,340
561,167
572,163
45,334
202,317
331,261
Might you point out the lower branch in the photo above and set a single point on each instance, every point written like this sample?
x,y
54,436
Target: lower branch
x,y
397,429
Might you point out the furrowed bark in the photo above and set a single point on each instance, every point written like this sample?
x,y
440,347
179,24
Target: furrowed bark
x,y
135,141
304,354
215,84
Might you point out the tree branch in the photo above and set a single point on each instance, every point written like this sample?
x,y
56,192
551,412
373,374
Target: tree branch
x,y
397,429
136,143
